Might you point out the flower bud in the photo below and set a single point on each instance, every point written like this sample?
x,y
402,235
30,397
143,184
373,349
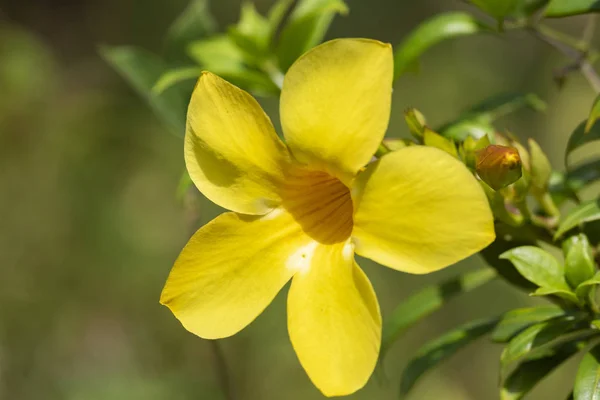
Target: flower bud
x,y
579,260
498,166
415,121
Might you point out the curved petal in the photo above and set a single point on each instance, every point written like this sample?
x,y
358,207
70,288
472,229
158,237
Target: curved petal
x,y
335,104
418,210
230,270
232,152
334,321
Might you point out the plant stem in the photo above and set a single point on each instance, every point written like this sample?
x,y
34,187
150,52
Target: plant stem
x,y
220,364
576,50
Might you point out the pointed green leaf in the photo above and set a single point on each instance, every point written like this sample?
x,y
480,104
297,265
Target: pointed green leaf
x,y
539,340
593,281
430,33
580,137
528,374
537,266
585,212
565,8
252,33
142,69
428,300
565,294
515,321
306,28
579,260
587,381
193,23
433,139
540,166
594,115
441,348
175,76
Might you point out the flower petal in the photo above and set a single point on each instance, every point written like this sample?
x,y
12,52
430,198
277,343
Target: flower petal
x,y
418,210
230,270
335,104
334,321
232,152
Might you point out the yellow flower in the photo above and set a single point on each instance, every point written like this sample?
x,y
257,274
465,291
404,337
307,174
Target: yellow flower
x,y
301,210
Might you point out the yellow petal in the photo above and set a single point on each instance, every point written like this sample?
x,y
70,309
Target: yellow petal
x,y
419,210
230,270
232,152
334,321
335,104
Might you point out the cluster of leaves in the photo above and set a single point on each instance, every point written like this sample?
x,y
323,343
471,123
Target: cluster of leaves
x,y
526,199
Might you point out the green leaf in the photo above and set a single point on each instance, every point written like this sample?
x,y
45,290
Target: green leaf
x,y
306,28
539,340
430,33
142,69
252,33
565,8
528,374
594,115
566,294
593,281
537,266
587,381
497,8
193,23
579,260
540,166
428,300
174,76
433,139
441,348
220,55
185,182
584,212
515,321
277,15
580,137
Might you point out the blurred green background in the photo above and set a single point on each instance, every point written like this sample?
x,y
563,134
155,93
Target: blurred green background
x,y
90,226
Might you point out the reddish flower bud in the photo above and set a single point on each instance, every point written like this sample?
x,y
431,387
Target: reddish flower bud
x,y
498,166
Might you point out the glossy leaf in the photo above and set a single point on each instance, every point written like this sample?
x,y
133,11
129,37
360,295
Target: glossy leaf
x,y
194,23
306,28
579,260
565,294
565,8
515,321
594,115
430,33
593,281
441,348
174,76
428,300
537,266
587,381
142,69
580,137
584,212
528,374
539,340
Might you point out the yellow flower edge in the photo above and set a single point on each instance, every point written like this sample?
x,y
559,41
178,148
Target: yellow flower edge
x,y
300,210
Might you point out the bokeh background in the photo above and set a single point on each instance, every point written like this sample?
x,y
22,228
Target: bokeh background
x,y
90,224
